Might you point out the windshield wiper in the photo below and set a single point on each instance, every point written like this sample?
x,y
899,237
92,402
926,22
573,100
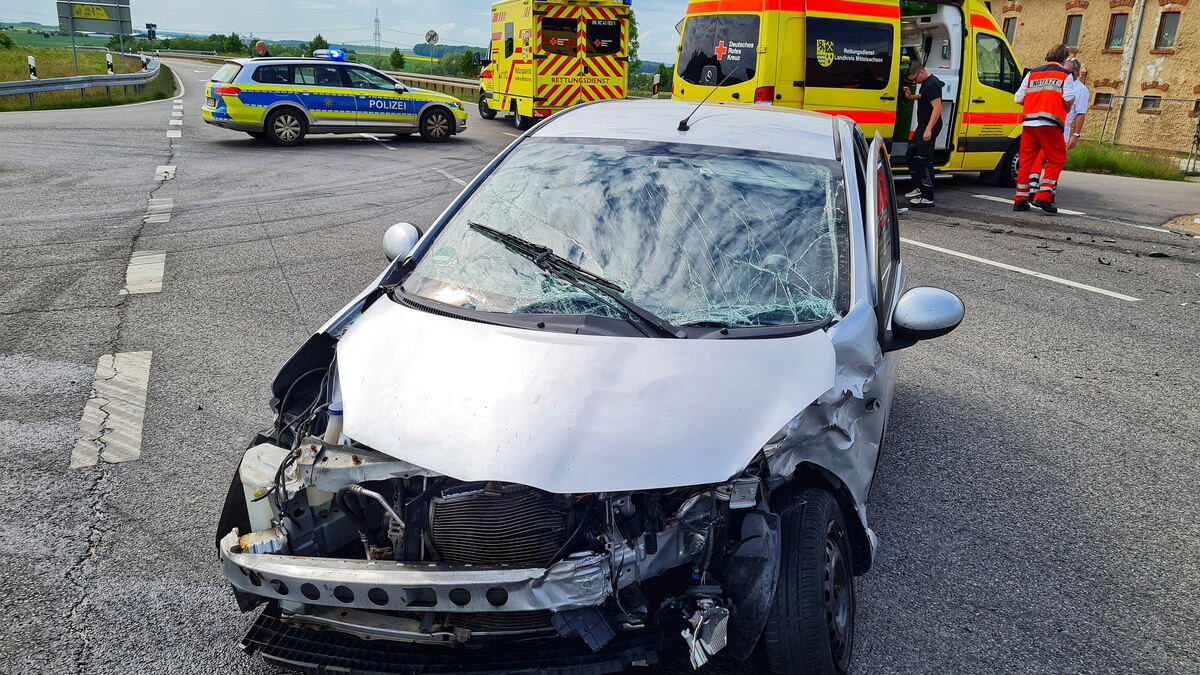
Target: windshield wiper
x,y
545,258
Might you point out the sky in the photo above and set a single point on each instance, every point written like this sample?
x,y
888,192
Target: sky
x,y
404,22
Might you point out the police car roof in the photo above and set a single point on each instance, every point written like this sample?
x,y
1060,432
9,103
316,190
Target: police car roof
x,y
289,59
731,125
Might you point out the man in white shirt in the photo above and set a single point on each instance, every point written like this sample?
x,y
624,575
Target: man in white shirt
x,y
1075,118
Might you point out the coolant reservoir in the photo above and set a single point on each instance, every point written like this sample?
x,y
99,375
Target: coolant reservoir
x,y
257,473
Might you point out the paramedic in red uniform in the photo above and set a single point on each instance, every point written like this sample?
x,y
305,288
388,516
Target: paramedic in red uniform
x,y
1046,94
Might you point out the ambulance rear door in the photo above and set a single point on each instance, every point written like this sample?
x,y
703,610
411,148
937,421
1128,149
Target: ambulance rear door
x,y
991,120
851,61
605,40
557,58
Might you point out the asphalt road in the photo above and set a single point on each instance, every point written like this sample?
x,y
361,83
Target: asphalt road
x,y
1036,504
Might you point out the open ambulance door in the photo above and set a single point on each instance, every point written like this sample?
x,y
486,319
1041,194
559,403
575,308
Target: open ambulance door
x,y
851,61
992,119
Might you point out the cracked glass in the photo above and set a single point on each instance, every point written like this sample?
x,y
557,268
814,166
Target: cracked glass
x,y
699,235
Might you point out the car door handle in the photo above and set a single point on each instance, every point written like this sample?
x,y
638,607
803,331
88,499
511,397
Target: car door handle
x,y
887,98
978,100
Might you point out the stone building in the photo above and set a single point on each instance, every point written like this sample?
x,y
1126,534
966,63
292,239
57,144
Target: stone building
x,y
1141,61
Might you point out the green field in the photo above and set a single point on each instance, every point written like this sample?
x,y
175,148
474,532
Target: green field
x,y
26,38
58,63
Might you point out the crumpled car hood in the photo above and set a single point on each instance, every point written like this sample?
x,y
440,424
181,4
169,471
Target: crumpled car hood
x,y
569,413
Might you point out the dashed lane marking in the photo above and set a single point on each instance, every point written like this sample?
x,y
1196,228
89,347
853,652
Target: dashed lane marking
x,y
156,218
145,271
176,113
1155,229
453,178
510,134
111,426
175,122
164,172
1022,270
1002,200
174,133
160,205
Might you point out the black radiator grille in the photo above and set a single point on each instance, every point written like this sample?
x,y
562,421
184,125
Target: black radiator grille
x,y
507,524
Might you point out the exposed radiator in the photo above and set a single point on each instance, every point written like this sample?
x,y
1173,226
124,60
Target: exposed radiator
x,y
499,524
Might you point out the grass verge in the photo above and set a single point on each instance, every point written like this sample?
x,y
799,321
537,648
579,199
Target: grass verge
x,y
161,87
54,62
1095,157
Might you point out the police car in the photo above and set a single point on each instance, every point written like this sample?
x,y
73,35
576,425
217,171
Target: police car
x,y
284,99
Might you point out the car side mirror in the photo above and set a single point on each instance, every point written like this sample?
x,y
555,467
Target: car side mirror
x,y
399,240
924,313
400,88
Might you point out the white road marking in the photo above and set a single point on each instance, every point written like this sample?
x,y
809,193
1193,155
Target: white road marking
x,y
176,113
160,205
174,133
1021,270
510,134
111,426
1002,200
1155,229
175,122
145,271
453,178
376,139
157,218
164,172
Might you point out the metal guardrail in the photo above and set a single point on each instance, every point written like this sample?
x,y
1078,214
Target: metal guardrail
x,y
42,86
455,86
208,58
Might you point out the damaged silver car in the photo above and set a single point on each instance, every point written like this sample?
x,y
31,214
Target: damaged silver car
x,y
628,391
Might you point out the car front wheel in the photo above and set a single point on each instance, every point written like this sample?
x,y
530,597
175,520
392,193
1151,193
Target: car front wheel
x,y
437,125
810,628
286,127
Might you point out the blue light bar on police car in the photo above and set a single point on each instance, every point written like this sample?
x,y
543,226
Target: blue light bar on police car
x,y
331,54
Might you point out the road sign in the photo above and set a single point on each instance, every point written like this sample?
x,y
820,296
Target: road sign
x,y
105,16
431,37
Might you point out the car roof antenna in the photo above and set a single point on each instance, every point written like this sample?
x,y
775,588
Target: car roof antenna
x,y
683,123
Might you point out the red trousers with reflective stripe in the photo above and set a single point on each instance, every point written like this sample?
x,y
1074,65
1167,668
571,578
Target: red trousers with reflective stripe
x,y
1038,142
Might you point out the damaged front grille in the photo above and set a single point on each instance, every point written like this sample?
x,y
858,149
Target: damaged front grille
x,y
501,622
493,524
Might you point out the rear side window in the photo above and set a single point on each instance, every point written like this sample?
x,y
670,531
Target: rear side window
x,y
845,54
603,36
720,49
273,75
508,40
226,73
318,76
558,36
361,78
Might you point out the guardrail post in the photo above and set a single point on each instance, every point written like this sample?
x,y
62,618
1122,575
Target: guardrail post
x,y
32,67
108,63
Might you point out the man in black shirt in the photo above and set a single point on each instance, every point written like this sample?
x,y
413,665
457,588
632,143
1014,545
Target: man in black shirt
x,y
929,125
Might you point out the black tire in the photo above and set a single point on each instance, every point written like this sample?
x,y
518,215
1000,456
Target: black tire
x,y
286,126
437,125
522,122
256,135
810,629
1006,171
485,110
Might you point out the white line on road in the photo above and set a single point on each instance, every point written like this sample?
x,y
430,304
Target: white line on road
x,y
1021,270
156,218
160,205
174,133
164,172
1155,229
376,139
177,113
175,122
453,178
511,134
111,426
145,271
1002,200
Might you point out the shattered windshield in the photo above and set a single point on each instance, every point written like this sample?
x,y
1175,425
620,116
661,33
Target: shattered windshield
x,y
698,235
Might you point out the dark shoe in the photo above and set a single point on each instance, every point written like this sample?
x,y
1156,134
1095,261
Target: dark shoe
x,y
1021,205
1048,207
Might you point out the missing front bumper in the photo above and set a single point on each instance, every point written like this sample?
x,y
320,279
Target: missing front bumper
x,y
579,581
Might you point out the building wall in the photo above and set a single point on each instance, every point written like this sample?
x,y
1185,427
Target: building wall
x,y
1134,68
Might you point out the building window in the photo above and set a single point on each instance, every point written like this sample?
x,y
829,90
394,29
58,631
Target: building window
x,y
1071,34
1116,31
1151,104
1168,28
1102,100
1010,29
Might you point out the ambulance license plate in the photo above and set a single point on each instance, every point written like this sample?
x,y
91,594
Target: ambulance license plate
x,y
211,102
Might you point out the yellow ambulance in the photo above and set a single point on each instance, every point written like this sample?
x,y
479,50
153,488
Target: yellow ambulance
x,y
546,56
848,57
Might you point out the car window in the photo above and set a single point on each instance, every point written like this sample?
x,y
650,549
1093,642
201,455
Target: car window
x,y
273,74
318,76
361,78
603,36
846,54
719,49
699,235
559,36
226,73
508,40
995,64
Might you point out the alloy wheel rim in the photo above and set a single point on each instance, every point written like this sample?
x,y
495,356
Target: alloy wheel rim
x,y
287,127
838,595
437,125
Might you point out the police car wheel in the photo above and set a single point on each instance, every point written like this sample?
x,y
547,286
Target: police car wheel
x,y
286,127
256,135
485,110
436,126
